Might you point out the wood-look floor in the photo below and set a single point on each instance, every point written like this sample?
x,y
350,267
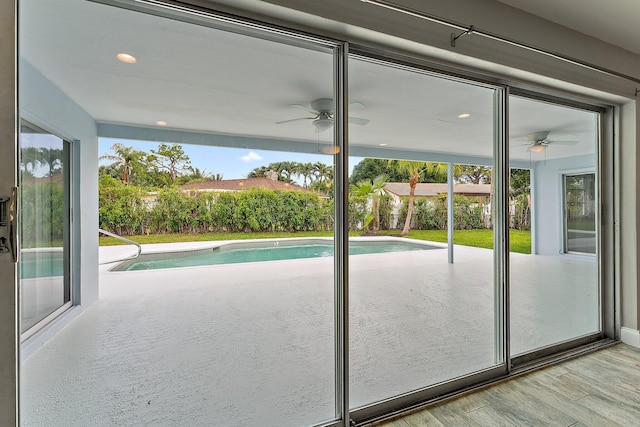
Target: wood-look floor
x,y
599,389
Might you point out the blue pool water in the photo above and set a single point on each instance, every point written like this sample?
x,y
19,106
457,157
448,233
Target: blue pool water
x,y
263,251
41,264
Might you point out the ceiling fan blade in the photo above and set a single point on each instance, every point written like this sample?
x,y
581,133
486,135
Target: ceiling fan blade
x,y
356,106
522,145
554,142
295,120
304,107
358,121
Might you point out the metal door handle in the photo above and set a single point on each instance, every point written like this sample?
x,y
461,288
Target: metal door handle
x,y
13,212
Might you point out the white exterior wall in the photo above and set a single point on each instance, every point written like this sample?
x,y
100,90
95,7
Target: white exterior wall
x,y
46,106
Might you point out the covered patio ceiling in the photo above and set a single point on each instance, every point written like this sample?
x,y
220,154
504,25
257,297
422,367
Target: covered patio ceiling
x,y
201,81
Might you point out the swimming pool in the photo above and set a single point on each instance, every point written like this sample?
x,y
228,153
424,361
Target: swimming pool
x,y
48,262
233,253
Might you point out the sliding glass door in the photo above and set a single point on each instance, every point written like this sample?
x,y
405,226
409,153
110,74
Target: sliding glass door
x,y
290,330
246,341
555,289
45,224
427,314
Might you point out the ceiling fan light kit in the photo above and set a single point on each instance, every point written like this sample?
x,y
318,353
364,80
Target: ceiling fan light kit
x,y
537,142
323,108
323,123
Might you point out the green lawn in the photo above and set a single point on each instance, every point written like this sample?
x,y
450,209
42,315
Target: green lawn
x,y
520,240
582,224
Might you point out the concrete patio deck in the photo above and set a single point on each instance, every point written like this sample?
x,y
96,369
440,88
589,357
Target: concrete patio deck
x,y
253,344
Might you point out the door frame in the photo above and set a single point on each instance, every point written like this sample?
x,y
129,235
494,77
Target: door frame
x,y
9,332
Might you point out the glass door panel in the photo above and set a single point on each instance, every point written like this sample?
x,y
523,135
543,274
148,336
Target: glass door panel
x,y
45,282
554,293
246,338
419,315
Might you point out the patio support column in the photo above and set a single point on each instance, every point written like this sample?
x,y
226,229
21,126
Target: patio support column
x,y
450,211
532,211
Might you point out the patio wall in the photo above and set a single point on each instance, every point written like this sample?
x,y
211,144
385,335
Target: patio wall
x,y
46,106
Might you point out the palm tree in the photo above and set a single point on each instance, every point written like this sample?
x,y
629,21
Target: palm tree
x,y
323,176
30,158
322,172
373,190
377,191
415,170
52,157
203,175
285,170
364,189
304,170
125,157
259,172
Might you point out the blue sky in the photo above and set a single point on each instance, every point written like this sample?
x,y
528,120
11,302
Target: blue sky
x,y
232,163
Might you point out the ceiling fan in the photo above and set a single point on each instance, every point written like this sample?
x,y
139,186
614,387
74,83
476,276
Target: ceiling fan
x,y
323,112
538,142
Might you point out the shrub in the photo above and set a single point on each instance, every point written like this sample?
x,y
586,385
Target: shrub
x,y
122,208
431,214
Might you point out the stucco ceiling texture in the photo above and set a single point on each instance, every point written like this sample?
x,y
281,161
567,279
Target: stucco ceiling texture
x,y
198,78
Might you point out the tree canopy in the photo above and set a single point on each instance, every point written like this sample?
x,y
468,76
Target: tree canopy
x,y
369,169
172,159
318,175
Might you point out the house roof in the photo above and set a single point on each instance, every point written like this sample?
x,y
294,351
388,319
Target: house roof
x,y
431,189
242,184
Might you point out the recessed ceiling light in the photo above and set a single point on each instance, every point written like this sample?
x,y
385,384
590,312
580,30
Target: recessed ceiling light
x,y
161,123
126,58
464,115
383,145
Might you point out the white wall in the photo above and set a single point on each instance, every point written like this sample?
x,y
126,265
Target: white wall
x,y
629,130
46,106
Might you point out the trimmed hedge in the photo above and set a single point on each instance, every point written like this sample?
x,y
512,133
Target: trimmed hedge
x,y
130,210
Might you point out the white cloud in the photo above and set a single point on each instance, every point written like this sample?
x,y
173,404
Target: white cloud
x,y
251,157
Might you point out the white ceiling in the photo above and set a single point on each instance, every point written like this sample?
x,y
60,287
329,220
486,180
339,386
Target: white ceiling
x,y
202,79
613,21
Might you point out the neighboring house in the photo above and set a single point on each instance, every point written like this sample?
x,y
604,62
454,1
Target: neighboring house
x,y
481,193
